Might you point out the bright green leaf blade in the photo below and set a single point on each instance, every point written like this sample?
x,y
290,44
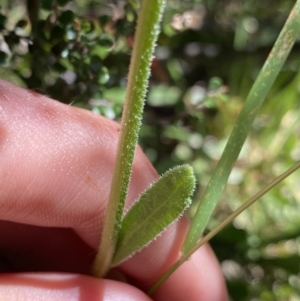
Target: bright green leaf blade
x,y
253,102
223,224
156,208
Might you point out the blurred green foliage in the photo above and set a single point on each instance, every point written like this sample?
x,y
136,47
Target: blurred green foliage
x,y
207,57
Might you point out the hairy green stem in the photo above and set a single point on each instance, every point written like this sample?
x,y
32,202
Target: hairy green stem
x,y
256,96
145,38
222,225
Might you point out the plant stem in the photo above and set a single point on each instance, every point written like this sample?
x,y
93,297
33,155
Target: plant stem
x,y
255,98
222,225
145,38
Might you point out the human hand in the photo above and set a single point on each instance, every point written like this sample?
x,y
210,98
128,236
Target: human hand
x,y
56,167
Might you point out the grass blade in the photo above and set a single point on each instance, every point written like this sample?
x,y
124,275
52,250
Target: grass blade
x,y
257,94
216,230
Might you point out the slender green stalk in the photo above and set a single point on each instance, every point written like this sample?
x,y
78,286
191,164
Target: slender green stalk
x,y
145,38
222,225
256,96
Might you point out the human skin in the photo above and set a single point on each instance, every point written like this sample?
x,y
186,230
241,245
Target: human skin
x,y
56,168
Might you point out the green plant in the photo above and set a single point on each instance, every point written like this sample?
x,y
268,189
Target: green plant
x,y
79,37
149,19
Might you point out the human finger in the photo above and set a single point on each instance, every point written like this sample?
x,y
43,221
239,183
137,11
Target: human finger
x,y
65,287
66,156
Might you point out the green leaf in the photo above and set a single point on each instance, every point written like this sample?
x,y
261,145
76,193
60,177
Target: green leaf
x,y
163,95
115,95
96,64
3,57
63,2
46,4
156,208
251,107
106,41
66,17
57,33
3,20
